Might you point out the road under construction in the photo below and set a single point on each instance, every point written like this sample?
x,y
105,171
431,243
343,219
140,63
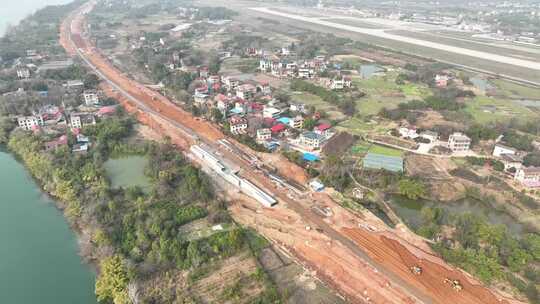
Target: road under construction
x,y
365,265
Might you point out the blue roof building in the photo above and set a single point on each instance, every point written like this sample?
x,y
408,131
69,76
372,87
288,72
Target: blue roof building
x,y
310,157
284,120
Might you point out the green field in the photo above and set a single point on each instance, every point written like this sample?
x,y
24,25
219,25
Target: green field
x,y
485,110
312,100
514,90
359,126
365,147
383,92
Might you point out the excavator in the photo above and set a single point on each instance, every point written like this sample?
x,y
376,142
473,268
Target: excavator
x,y
455,284
417,270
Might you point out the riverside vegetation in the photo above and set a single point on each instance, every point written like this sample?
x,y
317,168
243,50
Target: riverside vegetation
x,y
132,235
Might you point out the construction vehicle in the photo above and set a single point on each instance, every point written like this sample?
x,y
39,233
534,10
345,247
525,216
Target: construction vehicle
x,y
456,285
417,270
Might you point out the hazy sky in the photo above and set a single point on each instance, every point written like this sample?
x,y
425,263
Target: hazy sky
x,y
12,11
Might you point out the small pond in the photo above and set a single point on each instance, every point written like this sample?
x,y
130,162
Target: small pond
x,y
481,83
409,211
128,172
368,70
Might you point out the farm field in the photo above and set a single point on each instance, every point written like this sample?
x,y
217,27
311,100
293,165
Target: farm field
x,y
486,110
365,147
321,105
358,126
513,90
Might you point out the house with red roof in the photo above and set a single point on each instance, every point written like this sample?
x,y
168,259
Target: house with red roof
x,y
278,128
57,143
323,129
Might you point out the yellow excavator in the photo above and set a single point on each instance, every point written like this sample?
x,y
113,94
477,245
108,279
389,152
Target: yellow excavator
x,y
455,284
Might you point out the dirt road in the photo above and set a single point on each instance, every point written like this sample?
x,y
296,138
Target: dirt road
x,y
367,266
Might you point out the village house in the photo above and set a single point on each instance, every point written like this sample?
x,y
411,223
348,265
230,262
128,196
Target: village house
x,y
23,73
306,73
408,132
511,161
529,177
430,135
296,122
230,83
91,98
339,83
441,81
271,112
265,65
246,91
298,107
264,88
459,142
56,143
324,129
238,125
80,120
80,148
263,135
30,122
499,150
74,85
310,140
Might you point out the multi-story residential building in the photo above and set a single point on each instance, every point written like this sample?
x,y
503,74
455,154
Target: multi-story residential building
x,y
528,176
246,91
271,112
459,142
310,140
238,125
296,122
80,120
30,122
23,73
91,98
263,135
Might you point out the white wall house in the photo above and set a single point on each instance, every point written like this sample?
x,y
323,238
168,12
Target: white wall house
x,y
30,122
459,142
499,150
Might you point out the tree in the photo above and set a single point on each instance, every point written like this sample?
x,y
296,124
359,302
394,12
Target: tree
x,y
309,123
532,159
113,281
411,189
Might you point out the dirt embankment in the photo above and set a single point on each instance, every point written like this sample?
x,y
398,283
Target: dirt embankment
x,y
293,224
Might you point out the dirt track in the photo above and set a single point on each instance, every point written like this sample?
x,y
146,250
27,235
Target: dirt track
x,y
329,250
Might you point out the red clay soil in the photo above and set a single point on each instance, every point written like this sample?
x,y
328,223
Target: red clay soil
x,y
336,262
392,255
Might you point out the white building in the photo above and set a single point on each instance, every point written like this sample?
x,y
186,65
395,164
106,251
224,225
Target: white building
x,y
408,132
499,150
30,122
23,73
529,177
238,125
271,112
263,135
430,135
246,91
296,122
310,140
459,142
80,120
91,98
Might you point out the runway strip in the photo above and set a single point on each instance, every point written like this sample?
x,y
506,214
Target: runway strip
x,y
381,34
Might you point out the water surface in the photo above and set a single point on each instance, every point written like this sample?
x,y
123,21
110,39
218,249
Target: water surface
x,y
12,12
410,212
127,172
39,261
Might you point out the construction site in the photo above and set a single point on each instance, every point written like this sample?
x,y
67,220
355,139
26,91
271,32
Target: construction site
x,y
357,255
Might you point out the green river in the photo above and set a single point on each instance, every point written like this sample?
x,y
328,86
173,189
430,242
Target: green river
x,y
39,261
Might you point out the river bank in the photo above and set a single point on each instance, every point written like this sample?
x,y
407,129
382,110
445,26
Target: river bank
x,y
38,245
